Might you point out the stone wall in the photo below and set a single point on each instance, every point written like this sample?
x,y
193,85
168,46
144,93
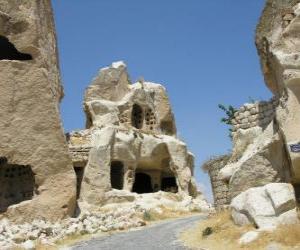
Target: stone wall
x,y
255,114
219,187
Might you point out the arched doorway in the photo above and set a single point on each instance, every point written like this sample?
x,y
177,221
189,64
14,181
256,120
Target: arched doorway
x,y
142,184
168,184
137,116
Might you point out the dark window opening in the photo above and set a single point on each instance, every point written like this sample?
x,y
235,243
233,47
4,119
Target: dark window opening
x,y
168,184
9,52
142,184
117,175
137,116
17,184
79,176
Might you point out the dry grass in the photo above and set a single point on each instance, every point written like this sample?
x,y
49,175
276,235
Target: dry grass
x,y
226,235
288,236
165,213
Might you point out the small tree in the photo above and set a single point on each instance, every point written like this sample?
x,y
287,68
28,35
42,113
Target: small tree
x,y
229,111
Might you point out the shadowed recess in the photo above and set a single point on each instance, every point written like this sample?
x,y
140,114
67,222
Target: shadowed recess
x,y
8,51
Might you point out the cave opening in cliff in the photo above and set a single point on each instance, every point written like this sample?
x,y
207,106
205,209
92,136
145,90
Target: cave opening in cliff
x,y
169,184
17,183
8,51
79,171
117,175
137,116
142,183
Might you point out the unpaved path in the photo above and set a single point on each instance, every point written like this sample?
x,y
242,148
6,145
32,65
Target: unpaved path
x,y
161,236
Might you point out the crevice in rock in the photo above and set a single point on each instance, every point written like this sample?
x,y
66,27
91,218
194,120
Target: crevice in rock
x,y
79,176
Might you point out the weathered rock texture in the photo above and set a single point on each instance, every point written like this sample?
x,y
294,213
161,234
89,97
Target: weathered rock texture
x,y
130,142
278,44
219,186
266,206
36,174
266,135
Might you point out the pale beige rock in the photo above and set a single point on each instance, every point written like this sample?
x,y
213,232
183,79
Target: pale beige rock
x,y
278,41
131,136
267,150
32,145
266,206
266,166
248,237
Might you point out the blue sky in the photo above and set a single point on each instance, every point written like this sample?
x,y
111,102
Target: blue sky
x,y
202,51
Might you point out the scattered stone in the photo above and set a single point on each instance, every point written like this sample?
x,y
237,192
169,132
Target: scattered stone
x,y
248,237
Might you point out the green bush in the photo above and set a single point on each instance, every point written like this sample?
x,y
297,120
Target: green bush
x,y
229,111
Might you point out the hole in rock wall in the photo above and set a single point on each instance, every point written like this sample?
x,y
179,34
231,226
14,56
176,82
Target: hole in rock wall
x,y
137,116
117,175
9,52
17,184
168,184
167,127
142,184
79,175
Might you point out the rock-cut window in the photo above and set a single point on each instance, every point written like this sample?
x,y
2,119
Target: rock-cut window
x,y
137,116
8,51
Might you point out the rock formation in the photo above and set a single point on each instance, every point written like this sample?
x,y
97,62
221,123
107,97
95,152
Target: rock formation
x,y
37,178
129,144
266,206
266,137
278,41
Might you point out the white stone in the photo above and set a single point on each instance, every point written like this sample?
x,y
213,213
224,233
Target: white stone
x,y
282,196
248,237
29,245
118,64
266,206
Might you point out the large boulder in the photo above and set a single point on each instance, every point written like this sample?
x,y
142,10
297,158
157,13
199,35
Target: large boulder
x,y
266,206
261,168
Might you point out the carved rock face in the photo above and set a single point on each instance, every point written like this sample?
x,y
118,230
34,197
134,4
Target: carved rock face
x,y
112,100
278,44
32,139
131,135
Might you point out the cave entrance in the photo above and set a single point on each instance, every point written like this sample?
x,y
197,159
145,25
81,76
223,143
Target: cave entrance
x,y
142,184
17,184
137,116
117,175
169,184
8,51
79,176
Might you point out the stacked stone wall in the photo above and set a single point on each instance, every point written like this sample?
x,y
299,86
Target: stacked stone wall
x,y
255,114
219,187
